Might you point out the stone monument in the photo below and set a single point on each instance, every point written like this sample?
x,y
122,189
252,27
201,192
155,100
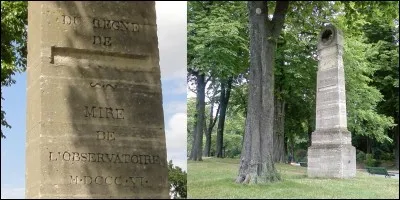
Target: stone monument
x,y
95,126
331,153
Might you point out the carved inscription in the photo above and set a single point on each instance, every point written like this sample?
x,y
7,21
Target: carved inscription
x,y
70,19
109,180
103,85
104,112
102,135
115,25
68,156
100,40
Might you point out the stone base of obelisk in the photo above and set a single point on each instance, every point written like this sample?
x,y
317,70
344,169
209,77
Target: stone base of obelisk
x,y
331,155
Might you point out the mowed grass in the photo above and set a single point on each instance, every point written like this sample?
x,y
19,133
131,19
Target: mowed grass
x,y
215,178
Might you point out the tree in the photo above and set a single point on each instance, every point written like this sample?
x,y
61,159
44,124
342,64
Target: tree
x,y
196,152
177,179
382,31
212,119
14,20
360,72
256,163
223,102
216,47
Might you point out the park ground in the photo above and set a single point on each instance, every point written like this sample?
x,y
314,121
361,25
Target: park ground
x,y
214,178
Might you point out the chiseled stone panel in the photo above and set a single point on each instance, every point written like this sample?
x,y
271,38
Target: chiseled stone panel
x,y
331,154
95,126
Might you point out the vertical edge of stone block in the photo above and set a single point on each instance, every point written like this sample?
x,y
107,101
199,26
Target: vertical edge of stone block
x,y
32,144
156,62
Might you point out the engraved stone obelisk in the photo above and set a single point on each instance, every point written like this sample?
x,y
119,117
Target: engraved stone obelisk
x,y
331,153
95,126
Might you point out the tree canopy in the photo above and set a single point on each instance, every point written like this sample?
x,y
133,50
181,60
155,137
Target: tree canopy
x,y
14,20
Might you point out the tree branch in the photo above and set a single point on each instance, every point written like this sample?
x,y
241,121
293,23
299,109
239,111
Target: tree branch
x,y
216,116
279,17
208,79
192,71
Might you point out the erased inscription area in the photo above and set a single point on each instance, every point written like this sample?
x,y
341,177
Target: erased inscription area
x,y
104,113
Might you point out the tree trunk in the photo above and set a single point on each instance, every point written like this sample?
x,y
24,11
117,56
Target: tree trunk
x,y
198,136
285,140
224,100
207,146
396,153
194,132
211,125
279,134
292,149
309,131
256,163
369,145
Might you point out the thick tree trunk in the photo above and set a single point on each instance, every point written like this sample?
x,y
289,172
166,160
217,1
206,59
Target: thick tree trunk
x,y
279,133
256,163
224,100
198,137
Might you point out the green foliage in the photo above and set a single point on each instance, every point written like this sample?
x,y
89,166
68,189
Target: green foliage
x,y
238,100
14,19
296,65
387,156
360,156
177,179
362,97
370,161
217,37
191,118
360,13
235,122
233,145
217,40
233,134
300,155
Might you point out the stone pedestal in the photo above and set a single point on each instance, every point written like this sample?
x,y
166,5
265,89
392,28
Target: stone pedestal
x,y
331,153
95,126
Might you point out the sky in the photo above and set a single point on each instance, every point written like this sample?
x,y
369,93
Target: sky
x,y
171,22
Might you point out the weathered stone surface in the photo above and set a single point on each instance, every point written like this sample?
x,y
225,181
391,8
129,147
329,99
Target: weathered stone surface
x,y
95,126
331,153
333,161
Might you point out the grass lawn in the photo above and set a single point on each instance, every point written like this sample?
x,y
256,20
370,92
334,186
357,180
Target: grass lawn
x,y
214,178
